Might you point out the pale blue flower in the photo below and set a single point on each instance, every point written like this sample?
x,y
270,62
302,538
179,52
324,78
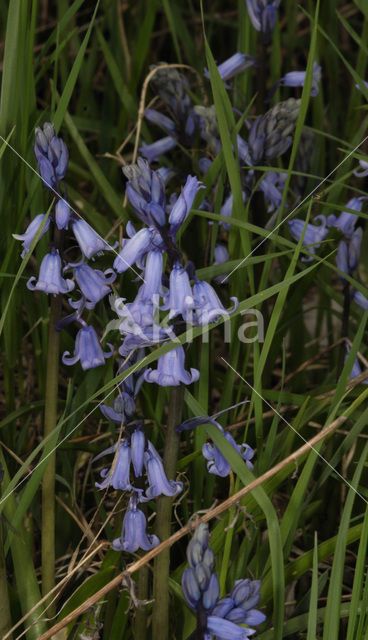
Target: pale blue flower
x,y
313,234
93,283
31,232
297,79
158,148
89,241
179,298
50,279
170,370
208,307
133,250
363,169
184,203
157,480
119,474
234,65
224,629
88,350
133,533
347,220
263,14
62,214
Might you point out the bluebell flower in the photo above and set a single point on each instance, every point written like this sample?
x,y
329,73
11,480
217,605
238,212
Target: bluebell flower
x,y
234,65
179,298
360,299
93,283
138,443
347,220
184,203
356,370
62,214
170,370
158,483
208,307
52,155
363,171
263,15
157,118
271,135
140,320
50,279
31,232
226,211
116,412
297,79
89,241
158,148
152,286
355,246
87,350
133,250
221,254
119,474
342,258
133,533
272,186
224,629
313,234
217,464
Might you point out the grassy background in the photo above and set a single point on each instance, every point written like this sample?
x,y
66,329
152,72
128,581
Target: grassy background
x,y
304,532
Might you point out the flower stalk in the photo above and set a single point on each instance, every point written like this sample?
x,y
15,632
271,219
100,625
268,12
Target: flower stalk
x,y
160,613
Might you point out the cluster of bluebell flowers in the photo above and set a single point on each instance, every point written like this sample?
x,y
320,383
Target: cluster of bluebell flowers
x,y
222,618
349,246
52,156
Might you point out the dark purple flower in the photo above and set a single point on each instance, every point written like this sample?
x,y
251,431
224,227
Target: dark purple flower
x,y
133,533
49,279
31,232
87,350
170,370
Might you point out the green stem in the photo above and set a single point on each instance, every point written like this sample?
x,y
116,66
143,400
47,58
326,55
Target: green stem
x,y
344,328
160,612
140,621
5,618
24,571
48,484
